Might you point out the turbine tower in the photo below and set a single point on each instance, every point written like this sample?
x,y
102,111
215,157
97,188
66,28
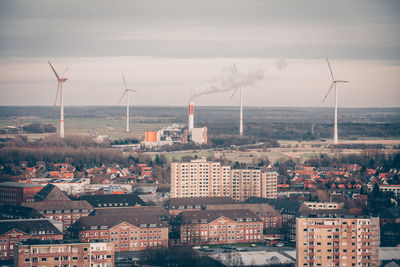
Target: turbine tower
x,y
60,81
127,102
333,84
241,104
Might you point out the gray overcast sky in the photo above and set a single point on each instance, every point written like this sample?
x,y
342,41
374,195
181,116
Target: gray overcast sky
x,y
169,48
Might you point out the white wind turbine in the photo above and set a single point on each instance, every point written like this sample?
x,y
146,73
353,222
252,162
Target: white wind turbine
x,y
241,104
60,81
333,84
127,102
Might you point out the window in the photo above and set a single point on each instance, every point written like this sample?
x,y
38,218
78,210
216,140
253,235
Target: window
x,y
43,259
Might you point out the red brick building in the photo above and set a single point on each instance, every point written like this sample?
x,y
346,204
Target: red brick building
x,y
270,217
16,193
14,231
220,227
177,205
65,211
64,253
131,229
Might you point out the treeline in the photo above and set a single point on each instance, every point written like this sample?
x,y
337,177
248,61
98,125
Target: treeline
x,y
370,160
39,128
306,131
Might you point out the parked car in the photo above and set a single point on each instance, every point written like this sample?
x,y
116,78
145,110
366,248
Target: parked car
x,y
279,245
253,245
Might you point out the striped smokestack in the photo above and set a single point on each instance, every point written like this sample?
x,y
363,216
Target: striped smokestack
x,y
191,116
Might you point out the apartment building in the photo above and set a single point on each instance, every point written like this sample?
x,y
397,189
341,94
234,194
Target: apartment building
x,y
220,227
200,178
64,253
15,193
14,231
337,241
65,211
269,184
130,230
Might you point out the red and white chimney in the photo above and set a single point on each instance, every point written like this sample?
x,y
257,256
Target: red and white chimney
x,y
191,116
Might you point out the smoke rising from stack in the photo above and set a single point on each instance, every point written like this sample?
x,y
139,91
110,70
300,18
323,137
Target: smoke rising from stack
x,y
228,80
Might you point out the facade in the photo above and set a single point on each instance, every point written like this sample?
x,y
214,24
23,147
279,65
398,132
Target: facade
x,y
201,178
220,227
14,231
65,211
140,230
391,188
15,193
269,184
64,253
270,217
340,241
323,205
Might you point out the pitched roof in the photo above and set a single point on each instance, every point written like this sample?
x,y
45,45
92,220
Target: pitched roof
x,y
130,211
18,212
15,184
278,204
59,205
51,192
31,227
196,201
260,209
114,200
109,221
207,216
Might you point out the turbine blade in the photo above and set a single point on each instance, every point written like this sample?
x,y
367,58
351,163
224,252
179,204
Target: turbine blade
x,y
123,77
329,65
234,65
58,78
329,90
122,96
58,89
234,92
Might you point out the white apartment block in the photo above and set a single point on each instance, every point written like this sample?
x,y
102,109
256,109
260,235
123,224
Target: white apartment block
x,y
341,241
200,178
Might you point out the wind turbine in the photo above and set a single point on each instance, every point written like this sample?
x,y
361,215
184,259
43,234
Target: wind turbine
x,y
60,80
333,84
127,102
241,104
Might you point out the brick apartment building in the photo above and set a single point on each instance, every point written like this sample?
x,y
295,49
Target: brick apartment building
x,y
177,205
131,229
219,227
65,211
270,217
64,253
337,241
14,231
201,178
15,193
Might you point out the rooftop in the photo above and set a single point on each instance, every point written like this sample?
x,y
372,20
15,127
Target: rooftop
x,y
207,216
32,227
15,184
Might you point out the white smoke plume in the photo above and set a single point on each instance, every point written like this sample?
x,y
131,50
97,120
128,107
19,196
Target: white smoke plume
x,y
228,80
281,64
